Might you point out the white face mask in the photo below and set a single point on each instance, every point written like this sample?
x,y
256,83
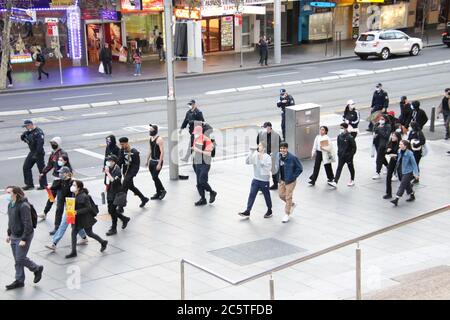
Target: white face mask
x,y
73,189
341,130
109,163
378,89
398,130
60,163
382,122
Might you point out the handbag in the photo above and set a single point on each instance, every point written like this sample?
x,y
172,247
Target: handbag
x,y
101,69
120,200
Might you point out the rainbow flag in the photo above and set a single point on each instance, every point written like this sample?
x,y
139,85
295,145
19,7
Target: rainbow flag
x,y
51,198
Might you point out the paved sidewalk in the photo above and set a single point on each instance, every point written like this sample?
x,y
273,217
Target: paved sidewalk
x,y
142,262
215,63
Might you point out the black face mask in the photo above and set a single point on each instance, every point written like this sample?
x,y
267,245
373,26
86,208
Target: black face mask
x,y
54,146
153,133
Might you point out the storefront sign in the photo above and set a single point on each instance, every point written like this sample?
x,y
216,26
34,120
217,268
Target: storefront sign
x,y
61,3
184,14
212,11
23,15
27,4
370,1
152,5
323,4
52,27
130,5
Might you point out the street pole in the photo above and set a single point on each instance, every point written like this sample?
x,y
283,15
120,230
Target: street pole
x,y
5,45
277,31
171,100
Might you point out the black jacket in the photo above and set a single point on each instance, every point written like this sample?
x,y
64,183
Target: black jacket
x,y
106,55
35,141
346,146
84,217
380,100
419,116
114,186
405,113
382,134
63,186
352,116
40,58
129,162
20,224
159,43
416,135
289,102
190,118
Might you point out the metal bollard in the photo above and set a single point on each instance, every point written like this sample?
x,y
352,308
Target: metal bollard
x,y
183,296
272,288
358,273
433,117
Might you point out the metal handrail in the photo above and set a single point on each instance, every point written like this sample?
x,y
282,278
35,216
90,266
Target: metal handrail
x,y
289,264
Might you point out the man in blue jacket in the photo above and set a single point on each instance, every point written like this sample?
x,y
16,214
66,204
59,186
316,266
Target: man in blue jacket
x,y
288,168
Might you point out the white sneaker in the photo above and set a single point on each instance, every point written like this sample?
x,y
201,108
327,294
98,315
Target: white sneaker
x,y
394,178
285,218
332,184
351,183
43,216
10,85
83,242
376,176
51,247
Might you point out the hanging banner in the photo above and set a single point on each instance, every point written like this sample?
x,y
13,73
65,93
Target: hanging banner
x,y
70,210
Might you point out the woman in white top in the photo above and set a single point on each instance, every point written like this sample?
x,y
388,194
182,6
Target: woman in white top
x,y
323,151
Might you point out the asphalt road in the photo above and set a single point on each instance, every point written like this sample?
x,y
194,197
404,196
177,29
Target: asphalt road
x,y
196,86
83,131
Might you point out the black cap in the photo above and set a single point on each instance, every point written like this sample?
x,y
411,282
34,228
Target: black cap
x,y
154,126
267,124
379,85
112,157
282,91
27,122
191,102
123,140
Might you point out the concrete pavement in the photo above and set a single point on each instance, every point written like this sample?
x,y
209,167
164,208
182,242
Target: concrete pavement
x,y
142,262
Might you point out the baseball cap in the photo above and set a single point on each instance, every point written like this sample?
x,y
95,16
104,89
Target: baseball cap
x,y
350,102
282,91
379,85
65,170
154,126
112,157
267,124
191,102
27,122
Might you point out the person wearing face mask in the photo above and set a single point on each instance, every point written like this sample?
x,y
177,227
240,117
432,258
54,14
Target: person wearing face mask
x,y
262,165
285,100
202,149
62,188
34,138
114,186
380,101
111,149
289,168
129,161
194,117
346,151
417,141
381,134
84,217
391,153
271,140
418,115
351,117
407,168
445,110
54,163
20,233
155,161
405,111
323,151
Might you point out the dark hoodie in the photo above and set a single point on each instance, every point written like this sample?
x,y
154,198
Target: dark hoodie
x,y
111,148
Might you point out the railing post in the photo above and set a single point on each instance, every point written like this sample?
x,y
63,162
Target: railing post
x,y
358,272
433,117
182,280
272,288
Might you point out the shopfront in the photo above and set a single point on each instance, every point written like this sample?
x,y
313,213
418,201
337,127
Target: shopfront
x,y
316,21
218,33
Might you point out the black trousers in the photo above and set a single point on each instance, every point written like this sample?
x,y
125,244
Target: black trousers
x,y
41,71
405,184
107,65
9,76
390,173
283,125
89,233
418,156
275,179
341,163
381,159
263,55
316,171
155,176
201,171
128,184
112,209
29,163
60,205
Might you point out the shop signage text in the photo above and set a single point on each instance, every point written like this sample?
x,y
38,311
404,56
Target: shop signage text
x,y
23,15
212,11
61,3
52,27
184,14
323,4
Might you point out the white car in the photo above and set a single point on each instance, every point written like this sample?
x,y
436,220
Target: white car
x,y
384,43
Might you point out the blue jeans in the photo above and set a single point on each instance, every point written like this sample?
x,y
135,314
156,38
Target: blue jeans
x,y
137,68
256,186
62,229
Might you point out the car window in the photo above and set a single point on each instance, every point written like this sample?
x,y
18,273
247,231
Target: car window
x,y
366,37
387,36
399,35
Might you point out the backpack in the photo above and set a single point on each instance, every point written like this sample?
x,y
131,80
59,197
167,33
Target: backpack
x,y
94,206
34,216
213,152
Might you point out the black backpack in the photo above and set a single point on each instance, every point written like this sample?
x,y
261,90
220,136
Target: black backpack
x,y
94,206
34,216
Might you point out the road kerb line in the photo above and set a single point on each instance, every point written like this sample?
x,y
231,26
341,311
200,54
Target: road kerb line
x,y
14,113
249,88
160,98
329,78
292,83
221,91
131,101
311,80
76,106
43,110
104,104
271,85
350,75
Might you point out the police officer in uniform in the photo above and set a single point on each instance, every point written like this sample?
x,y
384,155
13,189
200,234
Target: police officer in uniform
x,y
285,100
34,137
193,118
380,101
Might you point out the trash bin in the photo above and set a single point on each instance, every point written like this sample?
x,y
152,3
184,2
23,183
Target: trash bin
x,y
302,127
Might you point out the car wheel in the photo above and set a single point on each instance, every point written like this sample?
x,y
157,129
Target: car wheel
x,y
362,56
414,50
385,53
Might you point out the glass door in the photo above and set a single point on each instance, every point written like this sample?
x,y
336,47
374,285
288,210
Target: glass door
x,y
214,34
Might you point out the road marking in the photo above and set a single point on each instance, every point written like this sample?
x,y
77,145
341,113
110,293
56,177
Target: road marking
x,y
249,88
42,110
160,98
311,80
104,104
384,61
48,119
271,85
350,75
278,74
90,153
349,71
292,83
436,63
329,78
17,157
399,68
14,113
84,96
96,134
414,66
76,106
383,70
365,73
221,91
94,114
143,128
130,101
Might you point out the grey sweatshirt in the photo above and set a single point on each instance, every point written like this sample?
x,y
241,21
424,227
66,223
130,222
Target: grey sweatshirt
x,y
19,220
261,168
